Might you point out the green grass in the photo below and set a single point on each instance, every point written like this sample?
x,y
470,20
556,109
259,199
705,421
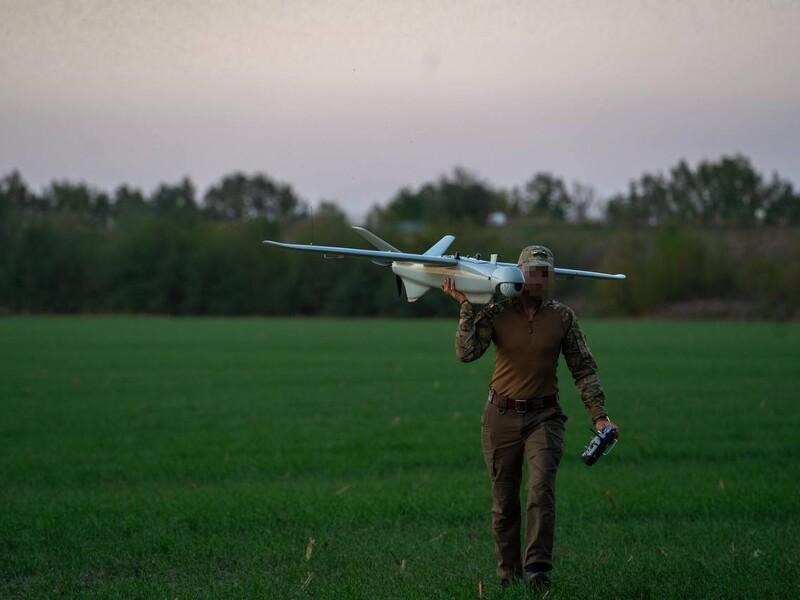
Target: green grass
x,y
159,458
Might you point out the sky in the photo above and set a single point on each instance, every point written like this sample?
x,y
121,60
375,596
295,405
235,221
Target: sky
x,y
351,100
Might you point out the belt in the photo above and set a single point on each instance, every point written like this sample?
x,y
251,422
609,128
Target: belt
x,y
522,406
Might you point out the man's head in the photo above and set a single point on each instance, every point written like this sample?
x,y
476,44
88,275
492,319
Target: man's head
x,y
536,263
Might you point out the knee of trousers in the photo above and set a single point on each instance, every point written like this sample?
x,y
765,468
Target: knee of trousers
x,y
541,493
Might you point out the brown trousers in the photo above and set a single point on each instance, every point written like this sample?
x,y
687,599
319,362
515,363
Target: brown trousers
x,y
508,437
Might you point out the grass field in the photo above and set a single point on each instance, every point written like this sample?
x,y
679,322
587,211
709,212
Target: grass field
x,y
159,458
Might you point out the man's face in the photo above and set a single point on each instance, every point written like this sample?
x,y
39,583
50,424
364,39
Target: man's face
x,y
537,280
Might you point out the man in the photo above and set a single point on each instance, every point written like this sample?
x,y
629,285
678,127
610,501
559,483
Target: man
x,y
522,418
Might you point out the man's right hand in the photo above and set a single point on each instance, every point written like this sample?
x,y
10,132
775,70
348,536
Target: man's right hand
x,y
449,288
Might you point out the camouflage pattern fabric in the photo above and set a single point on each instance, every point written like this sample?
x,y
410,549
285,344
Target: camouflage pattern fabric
x,y
536,256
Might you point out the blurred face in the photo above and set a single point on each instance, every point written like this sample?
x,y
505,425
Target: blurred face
x,y
537,281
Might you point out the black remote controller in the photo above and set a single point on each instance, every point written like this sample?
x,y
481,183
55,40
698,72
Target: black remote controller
x,y
600,445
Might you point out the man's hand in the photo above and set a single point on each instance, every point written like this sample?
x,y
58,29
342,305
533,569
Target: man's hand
x,y
602,423
449,288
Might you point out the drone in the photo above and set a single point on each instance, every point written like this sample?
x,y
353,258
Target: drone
x,y
479,280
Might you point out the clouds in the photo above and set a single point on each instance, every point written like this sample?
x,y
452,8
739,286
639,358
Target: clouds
x,y
349,100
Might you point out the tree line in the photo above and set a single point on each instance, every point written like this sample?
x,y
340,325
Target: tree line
x,y
719,233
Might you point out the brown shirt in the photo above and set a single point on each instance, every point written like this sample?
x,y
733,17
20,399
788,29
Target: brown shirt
x,y
526,351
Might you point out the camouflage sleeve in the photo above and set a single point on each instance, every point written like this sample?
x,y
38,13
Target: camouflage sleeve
x,y
474,333
582,365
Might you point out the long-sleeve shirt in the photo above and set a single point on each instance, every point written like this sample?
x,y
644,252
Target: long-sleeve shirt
x,y
526,351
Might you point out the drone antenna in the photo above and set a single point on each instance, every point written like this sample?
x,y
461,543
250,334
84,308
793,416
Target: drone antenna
x,y
311,210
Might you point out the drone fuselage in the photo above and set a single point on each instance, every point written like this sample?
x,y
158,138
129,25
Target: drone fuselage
x,y
478,280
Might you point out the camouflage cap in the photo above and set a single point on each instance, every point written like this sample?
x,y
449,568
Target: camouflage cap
x,y
536,256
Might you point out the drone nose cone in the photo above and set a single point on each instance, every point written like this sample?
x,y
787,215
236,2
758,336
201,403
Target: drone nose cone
x,y
509,281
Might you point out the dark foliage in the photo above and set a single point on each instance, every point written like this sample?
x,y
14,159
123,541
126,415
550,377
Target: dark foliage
x,y
719,234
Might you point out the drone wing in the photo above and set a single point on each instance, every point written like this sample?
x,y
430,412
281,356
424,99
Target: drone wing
x,y
386,255
573,273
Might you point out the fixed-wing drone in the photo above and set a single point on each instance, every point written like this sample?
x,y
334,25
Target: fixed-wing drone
x,y
478,279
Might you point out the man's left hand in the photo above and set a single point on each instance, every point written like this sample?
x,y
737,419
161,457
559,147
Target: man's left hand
x,y
603,423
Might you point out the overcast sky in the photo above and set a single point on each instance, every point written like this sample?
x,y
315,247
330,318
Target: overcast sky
x,y
350,100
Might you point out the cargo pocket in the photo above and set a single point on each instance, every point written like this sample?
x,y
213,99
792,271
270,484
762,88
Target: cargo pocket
x,y
486,442
491,463
554,429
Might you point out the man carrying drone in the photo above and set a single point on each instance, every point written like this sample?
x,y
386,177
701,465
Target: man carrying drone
x,y
522,421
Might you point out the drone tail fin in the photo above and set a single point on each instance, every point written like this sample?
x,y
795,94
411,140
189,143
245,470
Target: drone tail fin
x,y
438,249
375,240
414,290
379,243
